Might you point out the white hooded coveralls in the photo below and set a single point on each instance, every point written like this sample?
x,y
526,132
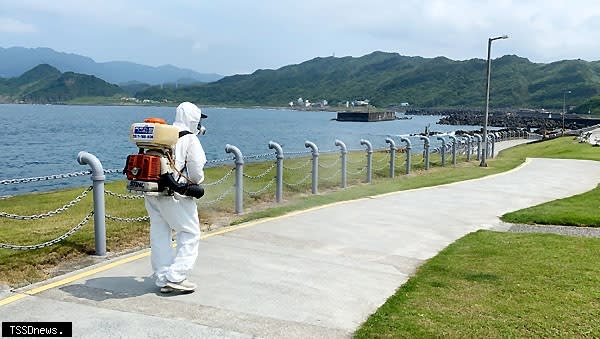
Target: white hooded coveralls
x,y
178,212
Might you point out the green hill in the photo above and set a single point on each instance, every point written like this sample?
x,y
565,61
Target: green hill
x,y
385,79
390,78
590,106
45,84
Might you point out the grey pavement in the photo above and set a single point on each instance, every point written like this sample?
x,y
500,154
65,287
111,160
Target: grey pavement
x,y
315,274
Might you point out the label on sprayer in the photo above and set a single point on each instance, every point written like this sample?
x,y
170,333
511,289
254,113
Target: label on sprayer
x,y
142,132
151,134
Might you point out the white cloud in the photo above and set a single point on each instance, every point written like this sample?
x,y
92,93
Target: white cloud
x,y
10,25
240,35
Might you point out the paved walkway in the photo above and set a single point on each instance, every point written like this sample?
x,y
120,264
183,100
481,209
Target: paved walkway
x,y
314,274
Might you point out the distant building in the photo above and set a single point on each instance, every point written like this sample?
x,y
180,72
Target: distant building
x,y
360,102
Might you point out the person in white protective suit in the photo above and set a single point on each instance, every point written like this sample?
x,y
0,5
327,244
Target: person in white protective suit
x,y
177,212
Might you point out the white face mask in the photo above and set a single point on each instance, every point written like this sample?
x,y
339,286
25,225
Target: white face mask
x,y
201,129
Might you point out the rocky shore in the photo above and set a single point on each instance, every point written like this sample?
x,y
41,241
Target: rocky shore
x,y
531,121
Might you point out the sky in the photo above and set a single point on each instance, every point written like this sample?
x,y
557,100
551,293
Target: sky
x,y
240,36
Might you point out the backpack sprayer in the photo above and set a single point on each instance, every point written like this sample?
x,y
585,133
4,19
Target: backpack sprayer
x,y
150,171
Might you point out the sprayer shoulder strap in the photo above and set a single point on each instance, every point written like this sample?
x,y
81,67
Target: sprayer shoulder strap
x,y
182,133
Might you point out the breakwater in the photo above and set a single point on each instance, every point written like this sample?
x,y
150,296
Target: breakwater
x,y
538,122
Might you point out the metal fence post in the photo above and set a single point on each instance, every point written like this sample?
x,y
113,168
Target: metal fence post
x,y
392,156
315,165
239,177
344,152
443,150
98,177
479,149
408,157
469,140
425,150
492,143
369,159
454,140
279,155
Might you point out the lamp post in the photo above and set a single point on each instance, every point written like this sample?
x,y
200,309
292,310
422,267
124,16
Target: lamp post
x,y
487,97
564,111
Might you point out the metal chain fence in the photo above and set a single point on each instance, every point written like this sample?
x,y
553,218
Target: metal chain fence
x,y
50,242
227,175
262,190
362,170
337,161
302,181
138,219
123,196
220,198
330,178
383,160
47,214
381,168
308,162
259,156
262,175
297,153
45,178
218,161
356,163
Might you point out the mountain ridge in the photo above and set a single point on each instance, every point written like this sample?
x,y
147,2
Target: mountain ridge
x,y
386,79
390,78
14,61
45,84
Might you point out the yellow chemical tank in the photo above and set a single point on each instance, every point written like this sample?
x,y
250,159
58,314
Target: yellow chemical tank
x,y
153,132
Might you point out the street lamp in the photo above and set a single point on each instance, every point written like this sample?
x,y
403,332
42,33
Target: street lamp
x,y
564,111
487,98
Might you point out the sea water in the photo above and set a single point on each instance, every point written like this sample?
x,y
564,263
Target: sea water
x,y
41,140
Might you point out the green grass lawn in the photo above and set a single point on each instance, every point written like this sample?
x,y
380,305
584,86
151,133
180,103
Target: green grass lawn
x,y
507,285
498,285
579,210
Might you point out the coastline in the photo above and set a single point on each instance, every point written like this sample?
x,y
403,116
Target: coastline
x,y
217,106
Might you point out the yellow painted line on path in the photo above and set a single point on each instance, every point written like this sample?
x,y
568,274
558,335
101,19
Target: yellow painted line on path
x,y
145,253
69,279
12,298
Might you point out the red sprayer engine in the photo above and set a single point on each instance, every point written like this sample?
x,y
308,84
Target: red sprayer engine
x,y
155,140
